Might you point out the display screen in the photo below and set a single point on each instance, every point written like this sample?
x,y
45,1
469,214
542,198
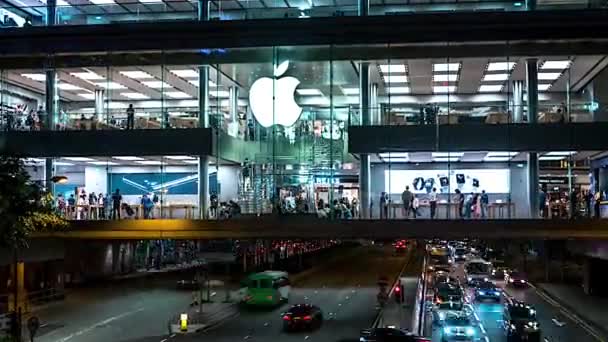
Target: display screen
x,y
178,183
494,181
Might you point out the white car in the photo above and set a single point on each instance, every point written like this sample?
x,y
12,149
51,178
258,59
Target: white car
x,y
477,270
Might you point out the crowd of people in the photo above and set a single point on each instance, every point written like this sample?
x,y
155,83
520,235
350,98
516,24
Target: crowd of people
x,y
342,208
82,206
473,205
576,204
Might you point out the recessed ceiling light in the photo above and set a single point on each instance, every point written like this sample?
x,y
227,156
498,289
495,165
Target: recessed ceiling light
x,y
555,65
102,163
135,96
309,92
398,90
496,77
544,87
150,1
449,67
445,77
500,66
149,162
195,83
551,157
79,159
35,77
394,155
501,154
219,93
58,163
395,78
497,159
34,160
548,75
177,95
88,75
87,96
396,160
136,74
180,157
156,84
561,153
486,88
447,154
110,85
102,2
444,89
67,86
186,73
350,91
392,68
446,159
131,158
191,161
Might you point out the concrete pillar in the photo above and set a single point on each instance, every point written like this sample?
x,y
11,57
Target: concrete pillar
x,y
363,7
203,121
203,10
374,106
532,181
234,104
99,93
532,89
530,5
51,12
18,274
48,175
518,101
364,160
50,119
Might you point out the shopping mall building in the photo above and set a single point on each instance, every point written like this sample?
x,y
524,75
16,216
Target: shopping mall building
x,y
285,103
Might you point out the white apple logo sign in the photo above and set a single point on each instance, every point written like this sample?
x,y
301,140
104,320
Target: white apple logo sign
x,y
261,98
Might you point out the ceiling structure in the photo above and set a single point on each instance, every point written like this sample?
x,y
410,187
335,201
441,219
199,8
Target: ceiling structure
x,y
70,162
399,81
480,156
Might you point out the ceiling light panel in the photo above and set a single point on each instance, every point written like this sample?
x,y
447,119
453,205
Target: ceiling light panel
x,y
446,159
395,78
136,74
500,66
67,86
501,154
135,96
185,73
445,77
102,163
497,159
309,92
552,158
560,153
394,155
87,96
392,68
177,95
195,83
447,154
88,75
556,65
110,85
398,90
495,77
103,2
486,88
350,91
444,89
396,160
35,77
549,75
149,162
446,67
544,87
219,93
180,157
190,161
130,158
79,159
156,84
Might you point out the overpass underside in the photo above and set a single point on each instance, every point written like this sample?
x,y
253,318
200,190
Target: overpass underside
x,y
310,227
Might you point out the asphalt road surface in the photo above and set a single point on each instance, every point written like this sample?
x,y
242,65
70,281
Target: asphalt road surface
x,y
345,290
555,327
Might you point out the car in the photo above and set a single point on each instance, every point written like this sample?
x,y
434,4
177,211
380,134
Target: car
x,y
487,290
441,310
400,246
516,279
389,334
459,254
440,262
458,327
499,269
302,317
519,322
444,277
445,292
477,269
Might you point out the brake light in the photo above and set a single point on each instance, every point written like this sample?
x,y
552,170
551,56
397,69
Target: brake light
x,y
307,318
397,288
286,318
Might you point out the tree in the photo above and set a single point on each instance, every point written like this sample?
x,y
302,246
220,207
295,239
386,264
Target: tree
x,y
25,208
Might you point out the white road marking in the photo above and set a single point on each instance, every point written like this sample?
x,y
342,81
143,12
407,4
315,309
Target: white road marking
x,y
99,324
163,340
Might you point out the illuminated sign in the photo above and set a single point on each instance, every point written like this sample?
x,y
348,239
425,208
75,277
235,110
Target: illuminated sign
x,y
272,99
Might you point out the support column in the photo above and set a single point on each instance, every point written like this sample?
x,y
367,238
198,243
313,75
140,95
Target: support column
x,y
363,7
50,110
234,104
532,89
99,93
203,122
518,101
51,12
48,175
203,10
376,118
364,160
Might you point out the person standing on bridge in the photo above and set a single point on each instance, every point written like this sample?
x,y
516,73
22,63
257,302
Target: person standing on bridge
x,y
116,201
407,197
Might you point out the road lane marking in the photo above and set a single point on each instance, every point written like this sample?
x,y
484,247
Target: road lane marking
x,y
163,340
99,324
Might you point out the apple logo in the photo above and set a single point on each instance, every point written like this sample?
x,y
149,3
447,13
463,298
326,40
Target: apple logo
x,y
280,107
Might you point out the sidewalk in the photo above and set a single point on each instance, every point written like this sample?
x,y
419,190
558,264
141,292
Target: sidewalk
x,y
213,314
592,310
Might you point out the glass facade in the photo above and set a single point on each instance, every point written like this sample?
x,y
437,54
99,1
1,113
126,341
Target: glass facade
x,y
282,115
16,13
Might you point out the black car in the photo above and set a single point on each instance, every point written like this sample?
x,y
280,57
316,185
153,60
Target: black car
x,y
459,254
445,292
516,279
499,270
487,290
444,277
302,317
519,322
389,335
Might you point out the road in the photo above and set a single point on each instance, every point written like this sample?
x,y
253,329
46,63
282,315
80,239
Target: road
x,y
489,316
344,288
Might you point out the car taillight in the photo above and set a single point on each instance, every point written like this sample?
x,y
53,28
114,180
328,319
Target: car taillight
x,y
307,318
269,297
397,288
286,318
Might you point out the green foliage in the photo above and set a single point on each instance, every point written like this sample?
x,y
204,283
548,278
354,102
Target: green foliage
x,y
25,207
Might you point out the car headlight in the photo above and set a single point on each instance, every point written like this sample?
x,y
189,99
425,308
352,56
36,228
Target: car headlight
x,y
470,331
532,311
431,268
510,280
493,272
496,293
442,315
522,281
469,278
513,327
485,279
447,330
481,293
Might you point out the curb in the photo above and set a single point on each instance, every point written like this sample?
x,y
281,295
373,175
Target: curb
x,y
598,332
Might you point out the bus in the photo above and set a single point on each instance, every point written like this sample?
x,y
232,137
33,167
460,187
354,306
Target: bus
x,y
268,288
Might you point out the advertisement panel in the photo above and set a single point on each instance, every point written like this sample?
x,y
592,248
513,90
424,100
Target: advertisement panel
x,y
494,181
